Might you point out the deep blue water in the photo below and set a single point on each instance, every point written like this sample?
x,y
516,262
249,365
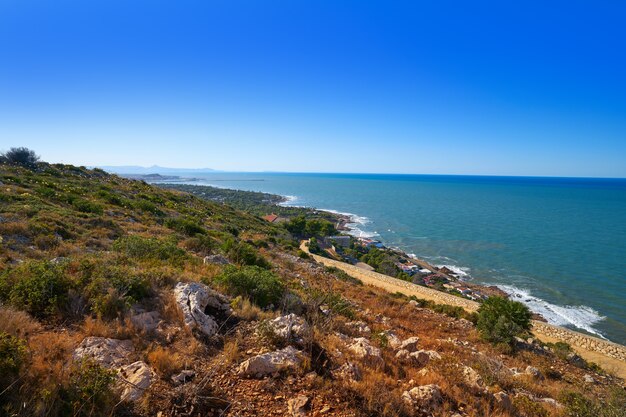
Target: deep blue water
x,y
559,244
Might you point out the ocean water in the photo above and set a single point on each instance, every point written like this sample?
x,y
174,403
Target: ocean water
x,y
556,244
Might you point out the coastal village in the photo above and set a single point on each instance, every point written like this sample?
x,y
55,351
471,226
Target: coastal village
x,y
417,271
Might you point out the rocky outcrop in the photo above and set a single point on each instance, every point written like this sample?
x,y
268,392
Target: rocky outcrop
x,y
290,327
110,353
534,372
425,398
215,259
134,379
362,349
193,299
410,344
472,378
287,359
146,321
422,357
393,341
503,400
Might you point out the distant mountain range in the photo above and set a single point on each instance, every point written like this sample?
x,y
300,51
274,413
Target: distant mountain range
x,y
155,169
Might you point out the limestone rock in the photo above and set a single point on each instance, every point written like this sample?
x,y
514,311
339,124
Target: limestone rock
x,y
422,357
289,327
297,407
110,353
287,359
472,378
147,321
589,379
410,344
193,299
135,379
393,341
362,348
425,398
215,259
403,354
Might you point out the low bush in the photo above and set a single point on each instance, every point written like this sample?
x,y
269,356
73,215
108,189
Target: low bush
x,y
147,248
86,206
89,392
185,225
38,287
243,253
500,320
12,354
261,286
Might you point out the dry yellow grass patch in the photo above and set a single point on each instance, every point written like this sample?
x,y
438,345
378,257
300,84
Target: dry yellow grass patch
x,y
165,361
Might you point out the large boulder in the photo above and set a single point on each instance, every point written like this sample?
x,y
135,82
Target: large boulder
x,y
134,379
215,259
287,359
194,299
110,353
425,398
289,327
362,349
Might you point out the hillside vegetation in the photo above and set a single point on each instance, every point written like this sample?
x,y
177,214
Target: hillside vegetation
x,y
121,298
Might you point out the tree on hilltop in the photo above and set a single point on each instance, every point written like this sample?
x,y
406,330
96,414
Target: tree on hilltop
x,y
20,156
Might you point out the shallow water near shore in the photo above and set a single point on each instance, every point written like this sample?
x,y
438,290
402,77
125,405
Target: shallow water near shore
x,y
556,244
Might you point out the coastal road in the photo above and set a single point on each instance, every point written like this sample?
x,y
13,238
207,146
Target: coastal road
x,y
610,356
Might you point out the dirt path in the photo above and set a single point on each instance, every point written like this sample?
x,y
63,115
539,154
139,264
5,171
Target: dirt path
x,y
610,356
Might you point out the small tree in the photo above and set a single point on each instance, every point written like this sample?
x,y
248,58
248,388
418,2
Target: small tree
x,y
500,320
20,156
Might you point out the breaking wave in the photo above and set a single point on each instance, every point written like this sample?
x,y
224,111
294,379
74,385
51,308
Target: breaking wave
x,y
582,317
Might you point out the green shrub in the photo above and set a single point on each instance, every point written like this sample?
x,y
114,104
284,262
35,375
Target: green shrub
x,y
86,206
39,287
500,320
148,248
200,244
261,286
185,225
12,353
89,392
449,310
243,253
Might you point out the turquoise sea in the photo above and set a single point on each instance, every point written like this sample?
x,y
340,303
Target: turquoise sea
x,y
556,244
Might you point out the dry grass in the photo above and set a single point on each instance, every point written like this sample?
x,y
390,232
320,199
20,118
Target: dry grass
x,y
17,323
165,361
117,329
232,351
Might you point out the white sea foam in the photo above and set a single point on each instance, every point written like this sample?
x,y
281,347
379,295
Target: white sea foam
x,y
582,317
461,271
356,224
289,200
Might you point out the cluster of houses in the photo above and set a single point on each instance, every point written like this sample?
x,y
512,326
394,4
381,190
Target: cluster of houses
x,y
369,243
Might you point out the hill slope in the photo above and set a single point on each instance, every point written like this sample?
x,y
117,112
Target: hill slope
x,y
106,292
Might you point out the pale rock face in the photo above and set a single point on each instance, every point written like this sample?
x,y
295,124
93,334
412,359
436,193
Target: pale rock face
x,y
146,322
589,379
135,379
403,354
359,327
183,377
110,353
472,378
425,398
290,327
287,359
410,344
362,348
215,259
422,357
297,407
193,298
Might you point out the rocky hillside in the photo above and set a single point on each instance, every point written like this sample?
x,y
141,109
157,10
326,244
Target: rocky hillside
x,y
119,298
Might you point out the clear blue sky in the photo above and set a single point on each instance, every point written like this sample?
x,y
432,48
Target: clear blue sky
x,y
535,88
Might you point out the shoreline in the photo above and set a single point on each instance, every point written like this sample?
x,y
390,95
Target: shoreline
x,y
350,223
609,355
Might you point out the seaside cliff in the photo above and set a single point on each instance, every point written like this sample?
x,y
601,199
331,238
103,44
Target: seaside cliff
x,y
122,298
